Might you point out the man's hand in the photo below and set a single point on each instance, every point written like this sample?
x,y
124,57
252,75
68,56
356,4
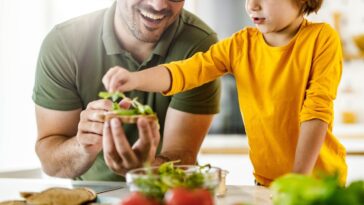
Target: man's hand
x,y
90,127
119,155
69,149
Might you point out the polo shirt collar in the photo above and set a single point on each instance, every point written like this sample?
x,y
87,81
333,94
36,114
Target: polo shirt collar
x,y
111,43
166,39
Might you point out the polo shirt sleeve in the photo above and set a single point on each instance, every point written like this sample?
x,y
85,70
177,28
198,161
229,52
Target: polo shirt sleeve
x,y
324,77
204,99
55,75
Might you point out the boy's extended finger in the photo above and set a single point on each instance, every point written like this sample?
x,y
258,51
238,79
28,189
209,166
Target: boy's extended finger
x,y
116,80
106,78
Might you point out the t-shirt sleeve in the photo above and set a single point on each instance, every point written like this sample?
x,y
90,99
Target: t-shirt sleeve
x,y
203,67
55,79
324,78
204,99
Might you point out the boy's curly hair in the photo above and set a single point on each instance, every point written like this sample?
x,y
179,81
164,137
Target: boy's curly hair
x,y
309,6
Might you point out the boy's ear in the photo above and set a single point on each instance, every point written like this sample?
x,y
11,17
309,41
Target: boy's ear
x,y
302,4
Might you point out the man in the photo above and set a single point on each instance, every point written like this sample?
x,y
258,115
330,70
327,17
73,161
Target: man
x,y
72,141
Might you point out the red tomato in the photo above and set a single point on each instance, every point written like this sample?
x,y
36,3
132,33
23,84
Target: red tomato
x,y
183,196
137,198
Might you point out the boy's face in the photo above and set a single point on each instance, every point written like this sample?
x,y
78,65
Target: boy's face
x,y
148,19
273,16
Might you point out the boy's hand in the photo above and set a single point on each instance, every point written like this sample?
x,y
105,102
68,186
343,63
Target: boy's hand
x,y
155,79
119,79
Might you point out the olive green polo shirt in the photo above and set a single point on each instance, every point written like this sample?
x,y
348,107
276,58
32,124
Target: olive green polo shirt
x,y
76,54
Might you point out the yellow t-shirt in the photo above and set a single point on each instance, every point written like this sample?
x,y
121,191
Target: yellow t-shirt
x,y
278,89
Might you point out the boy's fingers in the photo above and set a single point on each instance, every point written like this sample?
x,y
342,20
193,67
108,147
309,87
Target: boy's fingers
x,y
118,79
107,77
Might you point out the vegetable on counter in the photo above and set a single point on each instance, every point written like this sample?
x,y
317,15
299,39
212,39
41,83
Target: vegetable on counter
x,y
296,189
184,196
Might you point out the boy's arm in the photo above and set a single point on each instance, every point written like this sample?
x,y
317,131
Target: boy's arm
x,y
312,136
155,79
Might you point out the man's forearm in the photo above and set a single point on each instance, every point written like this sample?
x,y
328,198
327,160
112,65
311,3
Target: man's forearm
x,y
63,157
312,136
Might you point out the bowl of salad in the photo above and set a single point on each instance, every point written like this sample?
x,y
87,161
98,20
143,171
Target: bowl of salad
x,y
157,181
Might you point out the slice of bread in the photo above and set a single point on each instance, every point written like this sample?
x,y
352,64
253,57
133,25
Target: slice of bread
x,y
14,202
61,196
128,119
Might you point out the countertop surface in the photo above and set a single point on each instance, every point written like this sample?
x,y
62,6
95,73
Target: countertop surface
x,y
112,192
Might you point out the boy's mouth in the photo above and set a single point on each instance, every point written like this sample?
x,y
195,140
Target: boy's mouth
x,y
258,20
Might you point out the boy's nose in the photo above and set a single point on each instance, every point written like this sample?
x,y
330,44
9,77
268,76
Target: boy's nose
x,y
252,5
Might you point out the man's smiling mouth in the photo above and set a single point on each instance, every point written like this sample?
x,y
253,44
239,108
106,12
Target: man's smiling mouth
x,y
151,16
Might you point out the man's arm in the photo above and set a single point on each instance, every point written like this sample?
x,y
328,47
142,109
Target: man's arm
x,y
183,136
68,141
312,136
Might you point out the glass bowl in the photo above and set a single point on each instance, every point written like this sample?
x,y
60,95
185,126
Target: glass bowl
x,y
151,180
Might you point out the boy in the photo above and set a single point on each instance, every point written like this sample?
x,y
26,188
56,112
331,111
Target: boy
x,y
287,71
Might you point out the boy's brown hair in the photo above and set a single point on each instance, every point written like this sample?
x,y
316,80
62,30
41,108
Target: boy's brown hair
x,y
309,6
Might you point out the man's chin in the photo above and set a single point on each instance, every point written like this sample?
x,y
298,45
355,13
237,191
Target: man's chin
x,y
149,38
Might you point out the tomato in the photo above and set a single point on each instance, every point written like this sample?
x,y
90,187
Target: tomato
x,y
137,198
183,196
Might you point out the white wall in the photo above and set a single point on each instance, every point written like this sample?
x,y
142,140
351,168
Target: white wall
x,y
21,31
23,25
351,23
225,17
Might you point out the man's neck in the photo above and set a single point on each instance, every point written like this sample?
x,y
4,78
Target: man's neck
x,y
138,49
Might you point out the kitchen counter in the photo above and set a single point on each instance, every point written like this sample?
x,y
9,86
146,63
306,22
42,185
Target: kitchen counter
x,y
10,188
231,153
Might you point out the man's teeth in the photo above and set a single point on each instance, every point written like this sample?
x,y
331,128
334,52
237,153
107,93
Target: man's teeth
x,y
151,16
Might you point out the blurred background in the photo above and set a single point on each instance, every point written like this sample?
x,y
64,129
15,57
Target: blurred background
x,y
24,24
